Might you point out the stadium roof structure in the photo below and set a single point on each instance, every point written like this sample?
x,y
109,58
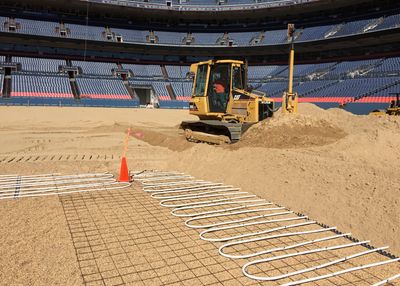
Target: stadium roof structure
x,y
158,9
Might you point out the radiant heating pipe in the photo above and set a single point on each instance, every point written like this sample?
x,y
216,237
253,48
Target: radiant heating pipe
x,y
61,190
383,282
190,188
216,229
153,179
174,211
184,189
22,183
314,268
213,225
174,183
330,275
52,177
55,184
211,202
231,191
214,189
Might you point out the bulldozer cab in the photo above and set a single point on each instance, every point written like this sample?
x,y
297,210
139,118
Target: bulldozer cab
x,y
219,87
214,82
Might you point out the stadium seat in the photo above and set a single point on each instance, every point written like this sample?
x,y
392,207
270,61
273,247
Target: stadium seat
x,y
96,88
24,85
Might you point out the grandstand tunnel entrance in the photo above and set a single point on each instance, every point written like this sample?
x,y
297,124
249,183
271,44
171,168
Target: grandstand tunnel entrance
x,y
129,88
74,85
144,95
171,91
7,84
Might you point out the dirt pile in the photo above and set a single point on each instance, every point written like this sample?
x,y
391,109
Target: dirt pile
x,y
171,138
291,131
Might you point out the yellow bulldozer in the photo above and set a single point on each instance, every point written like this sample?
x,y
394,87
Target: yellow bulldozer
x,y
224,103
393,109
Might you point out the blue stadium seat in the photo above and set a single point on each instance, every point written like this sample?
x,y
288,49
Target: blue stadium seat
x,y
392,21
206,38
144,70
183,90
351,66
243,38
175,38
96,88
389,65
85,32
160,90
95,68
177,71
34,27
39,64
314,33
272,37
260,72
355,27
275,37
40,86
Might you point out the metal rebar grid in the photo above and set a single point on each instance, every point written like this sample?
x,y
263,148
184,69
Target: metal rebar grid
x,y
335,258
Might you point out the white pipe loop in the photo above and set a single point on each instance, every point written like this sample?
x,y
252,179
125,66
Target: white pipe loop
x,y
305,270
255,239
15,176
221,239
177,183
266,231
211,203
52,178
187,222
47,183
105,188
187,189
178,187
157,174
330,275
213,190
291,246
164,178
174,211
229,192
383,282
56,187
171,183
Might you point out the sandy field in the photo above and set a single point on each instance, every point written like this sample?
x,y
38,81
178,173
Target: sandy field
x,y
339,169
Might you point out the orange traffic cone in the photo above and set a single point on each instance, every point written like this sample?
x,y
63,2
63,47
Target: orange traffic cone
x,y
124,173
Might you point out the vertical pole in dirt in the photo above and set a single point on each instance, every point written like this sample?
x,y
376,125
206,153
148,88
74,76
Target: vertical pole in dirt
x,y
124,172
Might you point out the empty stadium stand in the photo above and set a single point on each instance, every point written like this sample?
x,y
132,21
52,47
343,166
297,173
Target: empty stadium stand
x,y
177,71
102,88
204,5
269,37
148,71
24,85
95,68
182,90
39,65
340,82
